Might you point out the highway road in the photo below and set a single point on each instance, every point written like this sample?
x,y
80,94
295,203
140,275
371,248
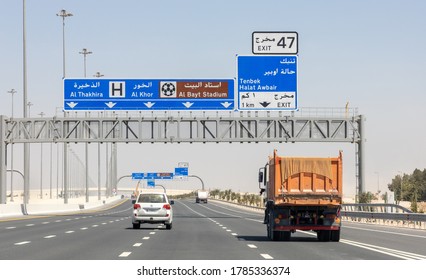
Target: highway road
x,y
212,231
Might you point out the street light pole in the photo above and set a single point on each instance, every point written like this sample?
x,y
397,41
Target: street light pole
x,y
29,104
401,197
12,92
41,164
202,183
63,14
85,52
98,75
25,101
378,183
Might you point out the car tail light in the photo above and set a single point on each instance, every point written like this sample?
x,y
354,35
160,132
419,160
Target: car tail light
x,y
136,206
167,206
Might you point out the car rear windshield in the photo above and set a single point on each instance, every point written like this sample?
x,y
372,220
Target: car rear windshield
x,y
152,198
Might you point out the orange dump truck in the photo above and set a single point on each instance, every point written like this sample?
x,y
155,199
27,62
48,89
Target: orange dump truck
x,y
302,194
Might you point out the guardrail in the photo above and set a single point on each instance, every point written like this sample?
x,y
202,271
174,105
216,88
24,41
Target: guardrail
x,y
383,213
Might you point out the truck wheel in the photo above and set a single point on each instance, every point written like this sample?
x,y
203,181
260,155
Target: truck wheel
x,y
324,235
272,235
335,235
268,232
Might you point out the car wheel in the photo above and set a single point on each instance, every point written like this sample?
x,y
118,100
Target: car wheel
x,y
169,226
136,225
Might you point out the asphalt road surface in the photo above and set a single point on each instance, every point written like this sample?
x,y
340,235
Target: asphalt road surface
x,y
212,231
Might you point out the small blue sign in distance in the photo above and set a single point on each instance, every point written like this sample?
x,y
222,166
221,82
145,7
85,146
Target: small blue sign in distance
x,y
138,176
148,94
181,171
151,183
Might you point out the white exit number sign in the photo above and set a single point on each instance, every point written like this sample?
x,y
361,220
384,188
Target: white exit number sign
x,y
275,43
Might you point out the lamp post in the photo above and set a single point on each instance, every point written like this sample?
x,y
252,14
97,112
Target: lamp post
x,y
401,197
378,183
85,52
98,75
25,101
64,14
41,164
29,104
12,92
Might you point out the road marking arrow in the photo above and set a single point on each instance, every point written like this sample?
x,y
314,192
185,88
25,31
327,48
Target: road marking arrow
x,y
226,104
149,104
72,104
187,104
110,104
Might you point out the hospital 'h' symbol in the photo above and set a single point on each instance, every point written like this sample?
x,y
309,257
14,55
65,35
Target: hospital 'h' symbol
x,y
117,89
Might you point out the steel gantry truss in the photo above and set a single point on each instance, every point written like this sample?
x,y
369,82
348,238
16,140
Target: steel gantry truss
x,y
184,129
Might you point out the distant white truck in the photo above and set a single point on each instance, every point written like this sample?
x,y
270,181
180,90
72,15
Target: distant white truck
x,y
201,196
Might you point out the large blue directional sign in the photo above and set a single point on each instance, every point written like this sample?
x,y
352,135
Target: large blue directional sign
x,y
157,94
267,82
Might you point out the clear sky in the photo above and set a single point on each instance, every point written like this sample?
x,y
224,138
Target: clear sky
x,y
368,53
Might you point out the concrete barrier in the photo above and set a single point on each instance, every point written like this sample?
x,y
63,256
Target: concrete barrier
x,y
8,210
50,207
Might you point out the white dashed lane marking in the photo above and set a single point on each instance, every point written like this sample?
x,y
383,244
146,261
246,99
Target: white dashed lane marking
x,y
49,236
266,256
124,254
137,244
22,243
252,246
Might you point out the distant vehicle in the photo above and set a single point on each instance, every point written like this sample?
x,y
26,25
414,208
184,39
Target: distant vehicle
x,y
302,194
152,208
201,196
133,198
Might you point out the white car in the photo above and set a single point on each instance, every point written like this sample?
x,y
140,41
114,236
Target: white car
x,y
152,208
